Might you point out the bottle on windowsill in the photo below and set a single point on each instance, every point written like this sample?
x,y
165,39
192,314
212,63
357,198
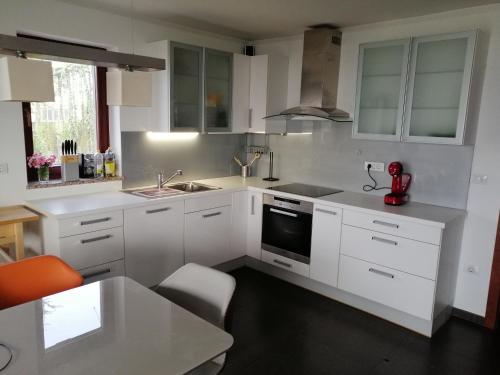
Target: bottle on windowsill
x,y
109,163
98,165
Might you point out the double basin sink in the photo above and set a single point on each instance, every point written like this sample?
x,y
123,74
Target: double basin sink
x,y
170,190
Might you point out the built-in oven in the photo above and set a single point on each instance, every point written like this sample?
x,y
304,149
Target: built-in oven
x,y
287,227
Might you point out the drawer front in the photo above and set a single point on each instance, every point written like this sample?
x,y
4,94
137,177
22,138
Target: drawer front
x,y
411,294
104,271
207,203
396,227
90,223
92,249
417,258
285,263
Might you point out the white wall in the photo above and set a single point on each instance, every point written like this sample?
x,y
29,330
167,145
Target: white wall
x,y
62,20
484,200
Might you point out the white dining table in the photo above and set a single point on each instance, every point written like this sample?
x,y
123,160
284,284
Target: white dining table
x,y
114,326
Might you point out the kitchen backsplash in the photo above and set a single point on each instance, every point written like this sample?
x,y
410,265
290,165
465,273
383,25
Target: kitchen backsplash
x,y
205,156
330,157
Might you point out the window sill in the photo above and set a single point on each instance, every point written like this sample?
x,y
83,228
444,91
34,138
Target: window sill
x,y
61,183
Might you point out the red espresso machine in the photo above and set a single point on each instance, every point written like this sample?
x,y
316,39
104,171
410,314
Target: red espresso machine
x,y
400,184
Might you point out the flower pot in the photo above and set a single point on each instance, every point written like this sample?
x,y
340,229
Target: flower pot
x,y
43,174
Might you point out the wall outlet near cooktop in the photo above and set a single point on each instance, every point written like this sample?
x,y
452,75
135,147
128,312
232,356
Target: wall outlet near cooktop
x,y
4,168
375,166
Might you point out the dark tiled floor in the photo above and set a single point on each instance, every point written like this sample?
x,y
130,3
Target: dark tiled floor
x,y
280,328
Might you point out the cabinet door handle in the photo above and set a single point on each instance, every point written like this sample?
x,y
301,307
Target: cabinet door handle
x,y
96,273
252,211
250,117
325,211
211,215
283,212
383,240
89,222
100,238
156,210
386,224
381,273
282,263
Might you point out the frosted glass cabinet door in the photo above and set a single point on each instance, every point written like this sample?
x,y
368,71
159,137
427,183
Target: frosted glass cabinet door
x,y
218,90
438,88
186,96
382,71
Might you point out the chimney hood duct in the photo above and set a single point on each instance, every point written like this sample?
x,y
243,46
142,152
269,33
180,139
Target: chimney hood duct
x,y
320,75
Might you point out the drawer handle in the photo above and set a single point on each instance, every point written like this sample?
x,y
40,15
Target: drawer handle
x,y
252,211
211,215
88,222
282,263
386,224
100,238
383,240
157,210
283,212
326,211
381,273
96,273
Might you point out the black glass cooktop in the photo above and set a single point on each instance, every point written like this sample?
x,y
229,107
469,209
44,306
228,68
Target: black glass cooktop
x,y
305,190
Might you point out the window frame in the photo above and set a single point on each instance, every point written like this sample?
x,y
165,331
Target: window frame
x,y
102,118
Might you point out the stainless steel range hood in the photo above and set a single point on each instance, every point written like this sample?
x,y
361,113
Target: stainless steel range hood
x,y
320,75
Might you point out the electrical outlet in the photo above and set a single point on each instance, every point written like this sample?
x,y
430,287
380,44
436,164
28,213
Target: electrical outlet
x,y
4,168
375,166
480,179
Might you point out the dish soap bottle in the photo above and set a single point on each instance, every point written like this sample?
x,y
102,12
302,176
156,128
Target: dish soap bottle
x,y
109,163
98,165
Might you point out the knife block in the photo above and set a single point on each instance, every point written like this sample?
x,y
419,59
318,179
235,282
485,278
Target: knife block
x,y
70,167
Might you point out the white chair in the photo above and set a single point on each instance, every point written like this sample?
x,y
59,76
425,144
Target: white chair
x,y
205,292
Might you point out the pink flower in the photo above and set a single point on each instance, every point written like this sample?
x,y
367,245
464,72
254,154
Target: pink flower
x,y
37,160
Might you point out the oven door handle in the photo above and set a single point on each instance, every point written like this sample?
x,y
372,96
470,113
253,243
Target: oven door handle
x,y
286,213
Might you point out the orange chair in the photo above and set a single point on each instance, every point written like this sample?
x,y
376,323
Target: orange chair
x,y
33,278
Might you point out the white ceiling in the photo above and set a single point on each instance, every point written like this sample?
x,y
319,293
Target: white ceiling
x,y
259,19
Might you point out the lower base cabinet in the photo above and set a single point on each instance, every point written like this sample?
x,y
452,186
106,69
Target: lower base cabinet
x,y
208,236
153,242
103,271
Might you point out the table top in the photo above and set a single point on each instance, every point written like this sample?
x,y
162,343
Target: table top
x,y
114,326
16,214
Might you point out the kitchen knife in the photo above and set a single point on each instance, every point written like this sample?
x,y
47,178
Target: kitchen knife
x,y
71,147
62,147
75,147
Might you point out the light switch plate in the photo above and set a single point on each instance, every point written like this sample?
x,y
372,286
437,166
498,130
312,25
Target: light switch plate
x,y
4,168
376,166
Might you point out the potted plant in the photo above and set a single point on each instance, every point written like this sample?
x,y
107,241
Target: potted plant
x,y
41,164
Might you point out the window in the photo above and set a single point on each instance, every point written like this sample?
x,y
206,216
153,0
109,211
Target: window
x,y
79,112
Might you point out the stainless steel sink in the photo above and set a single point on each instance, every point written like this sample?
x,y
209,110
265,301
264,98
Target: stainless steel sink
x,y
171,190
192,187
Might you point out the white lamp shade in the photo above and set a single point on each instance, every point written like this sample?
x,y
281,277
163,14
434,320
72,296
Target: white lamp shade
x,y
26,80
132,89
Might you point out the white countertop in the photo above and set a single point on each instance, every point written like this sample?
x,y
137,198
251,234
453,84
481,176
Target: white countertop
x,y
93,203
114,326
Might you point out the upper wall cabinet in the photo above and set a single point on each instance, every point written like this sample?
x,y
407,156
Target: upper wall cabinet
x,y
438,88
268,92
202,90
426,102
186,87
218,90
381,83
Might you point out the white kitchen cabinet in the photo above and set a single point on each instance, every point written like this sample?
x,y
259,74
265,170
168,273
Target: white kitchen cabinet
x,y
254,225
438,88
239,220
325,244
381,82
241,93
415,90
153,241
268,88
207,236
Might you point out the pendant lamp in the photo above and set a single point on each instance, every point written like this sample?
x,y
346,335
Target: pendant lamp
x,y
24,80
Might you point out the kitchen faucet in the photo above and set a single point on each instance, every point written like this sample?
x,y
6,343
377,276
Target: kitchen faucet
x,y
162,181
